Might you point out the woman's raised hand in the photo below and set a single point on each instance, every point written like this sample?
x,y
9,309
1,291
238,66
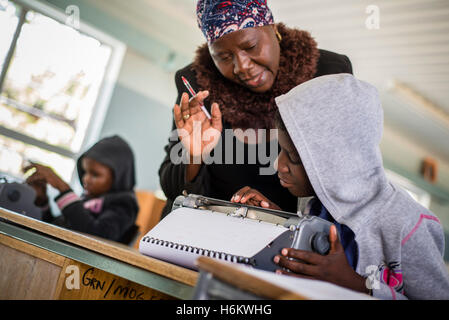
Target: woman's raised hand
x,y
198,134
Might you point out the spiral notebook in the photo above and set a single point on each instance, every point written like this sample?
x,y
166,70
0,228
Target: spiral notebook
x,y
186,234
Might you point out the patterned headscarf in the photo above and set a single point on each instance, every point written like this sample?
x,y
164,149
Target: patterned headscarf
x,y
217,17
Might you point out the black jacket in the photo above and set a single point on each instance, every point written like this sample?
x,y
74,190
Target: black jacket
x,y
115,219
223,180
111,215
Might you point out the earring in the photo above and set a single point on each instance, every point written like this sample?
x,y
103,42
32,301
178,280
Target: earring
x,y
278,35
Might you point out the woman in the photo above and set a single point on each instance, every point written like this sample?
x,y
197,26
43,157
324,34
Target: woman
x,y
247,62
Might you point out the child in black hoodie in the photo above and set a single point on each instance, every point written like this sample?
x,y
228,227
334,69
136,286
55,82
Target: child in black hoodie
x,y
108,206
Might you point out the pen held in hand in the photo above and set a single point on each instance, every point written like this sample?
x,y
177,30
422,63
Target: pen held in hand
x,y
193,93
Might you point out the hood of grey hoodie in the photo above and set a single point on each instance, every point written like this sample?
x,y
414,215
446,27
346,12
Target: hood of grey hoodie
x,y
336,123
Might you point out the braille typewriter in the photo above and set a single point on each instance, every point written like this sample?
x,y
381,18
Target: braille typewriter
x,y
19,197
204,226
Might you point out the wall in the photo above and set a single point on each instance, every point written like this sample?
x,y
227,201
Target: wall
x,y
405,157
140,112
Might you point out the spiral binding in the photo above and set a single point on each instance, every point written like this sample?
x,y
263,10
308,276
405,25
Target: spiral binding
x,y
204,252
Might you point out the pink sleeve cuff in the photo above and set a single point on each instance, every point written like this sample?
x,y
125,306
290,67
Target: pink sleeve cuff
x,y
67,199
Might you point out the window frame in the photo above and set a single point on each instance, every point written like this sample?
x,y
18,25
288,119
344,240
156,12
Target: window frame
x,y
106,88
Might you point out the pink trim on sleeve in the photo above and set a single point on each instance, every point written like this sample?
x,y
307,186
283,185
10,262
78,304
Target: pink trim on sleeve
x,y
421,218
67,199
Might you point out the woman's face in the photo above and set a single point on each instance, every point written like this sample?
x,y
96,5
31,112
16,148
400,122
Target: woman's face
x,y
249,57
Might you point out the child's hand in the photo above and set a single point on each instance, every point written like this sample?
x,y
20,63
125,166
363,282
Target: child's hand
x,y
46,174
40,187
254,198
333,267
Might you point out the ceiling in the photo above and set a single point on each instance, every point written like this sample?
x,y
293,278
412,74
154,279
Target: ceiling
x,y
411,46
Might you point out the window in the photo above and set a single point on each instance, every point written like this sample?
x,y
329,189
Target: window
x,y
55,85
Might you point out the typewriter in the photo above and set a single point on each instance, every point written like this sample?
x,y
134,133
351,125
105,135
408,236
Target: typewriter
x,y
19,197
303,231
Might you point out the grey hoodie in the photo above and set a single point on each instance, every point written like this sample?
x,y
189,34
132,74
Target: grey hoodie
x,y
336,124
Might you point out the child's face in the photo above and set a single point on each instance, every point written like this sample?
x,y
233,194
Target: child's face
x,y
97,179
291,172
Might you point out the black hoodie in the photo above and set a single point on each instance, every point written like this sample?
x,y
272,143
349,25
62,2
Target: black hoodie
x,y
111,215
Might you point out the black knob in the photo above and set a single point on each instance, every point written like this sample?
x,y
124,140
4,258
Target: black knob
x,y
13,195
320,243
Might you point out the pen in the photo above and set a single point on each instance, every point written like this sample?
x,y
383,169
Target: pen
x,y
193,93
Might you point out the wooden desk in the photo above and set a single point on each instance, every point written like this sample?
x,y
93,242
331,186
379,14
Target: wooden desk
x,y
246,282
42,261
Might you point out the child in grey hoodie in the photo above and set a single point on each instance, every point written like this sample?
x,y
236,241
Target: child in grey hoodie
x,y
389,245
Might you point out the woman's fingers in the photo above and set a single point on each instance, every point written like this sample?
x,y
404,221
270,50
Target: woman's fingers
x,y
198,133
254,195
184,104
251,197
238,195
264,204
216,117
193,105
198,100
179,122
190,109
